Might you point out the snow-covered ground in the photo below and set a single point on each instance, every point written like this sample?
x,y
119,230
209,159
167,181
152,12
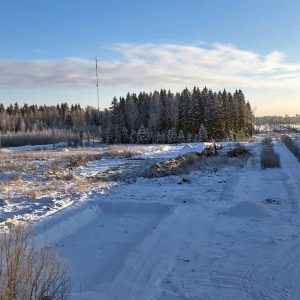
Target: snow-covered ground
x,y
35,184
227,231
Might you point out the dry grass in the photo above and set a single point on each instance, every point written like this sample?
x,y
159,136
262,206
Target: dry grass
x,y
32,272
291,146
179,165
267,141
33,193
120,151
269,158
45,178
247,139
239,151
190,162
16,180
53,186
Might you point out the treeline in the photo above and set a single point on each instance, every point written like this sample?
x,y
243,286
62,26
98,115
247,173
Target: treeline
x,y
164,117
37,125
47,136
278,120
157,117
38,118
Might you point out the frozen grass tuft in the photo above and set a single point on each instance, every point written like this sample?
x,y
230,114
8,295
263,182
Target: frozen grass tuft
x,y
120,151
269,158
192,161
238,151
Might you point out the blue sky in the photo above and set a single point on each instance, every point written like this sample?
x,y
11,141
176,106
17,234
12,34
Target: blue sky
x,y
47,49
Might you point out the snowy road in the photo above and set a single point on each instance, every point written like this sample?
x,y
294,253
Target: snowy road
x,y
291,169
230,233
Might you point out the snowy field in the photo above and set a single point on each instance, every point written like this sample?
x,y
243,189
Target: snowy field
x,y
38,181
227,230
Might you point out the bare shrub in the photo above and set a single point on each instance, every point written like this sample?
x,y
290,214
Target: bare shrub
x,y
76,162
269,158
291,146
28,272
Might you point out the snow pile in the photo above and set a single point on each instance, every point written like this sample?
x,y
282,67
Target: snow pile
x,y
170,151
246,209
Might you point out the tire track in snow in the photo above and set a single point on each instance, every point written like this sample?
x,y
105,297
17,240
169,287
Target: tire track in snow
x,y
291,168
155,257
276,285
279,269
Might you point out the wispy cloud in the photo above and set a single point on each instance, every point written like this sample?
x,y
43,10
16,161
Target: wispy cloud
x,y
159,65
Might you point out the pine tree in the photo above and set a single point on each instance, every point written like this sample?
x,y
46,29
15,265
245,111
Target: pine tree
x,y
181,137
202,133
211,116
172,137
143,135
133,137
117,134
161,138
109,138
124,136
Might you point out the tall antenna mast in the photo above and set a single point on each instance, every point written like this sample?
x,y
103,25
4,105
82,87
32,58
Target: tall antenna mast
x,y
97,81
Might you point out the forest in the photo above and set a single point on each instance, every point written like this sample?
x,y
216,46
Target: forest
x,y
156,117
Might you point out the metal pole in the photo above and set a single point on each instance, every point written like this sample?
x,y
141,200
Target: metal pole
x,y
97,81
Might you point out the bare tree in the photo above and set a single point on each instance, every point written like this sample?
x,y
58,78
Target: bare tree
x,y
29,272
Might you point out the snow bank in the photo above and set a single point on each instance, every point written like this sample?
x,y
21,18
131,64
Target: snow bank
x,y
246,209
134,208
66,222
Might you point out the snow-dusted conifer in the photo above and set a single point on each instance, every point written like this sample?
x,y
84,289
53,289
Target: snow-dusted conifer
x,y
161,138
202,133
109,136
143,135
125,137
181,137
133,137
172,137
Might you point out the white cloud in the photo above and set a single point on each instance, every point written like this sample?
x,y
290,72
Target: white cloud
x,y
154,66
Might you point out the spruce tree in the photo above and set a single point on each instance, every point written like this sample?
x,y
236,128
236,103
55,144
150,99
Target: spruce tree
x,y
172,137
202,133
181,137
143,135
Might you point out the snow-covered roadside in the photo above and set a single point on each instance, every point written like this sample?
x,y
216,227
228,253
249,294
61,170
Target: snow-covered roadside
x,y
222,233
252,249
163,242
224,240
